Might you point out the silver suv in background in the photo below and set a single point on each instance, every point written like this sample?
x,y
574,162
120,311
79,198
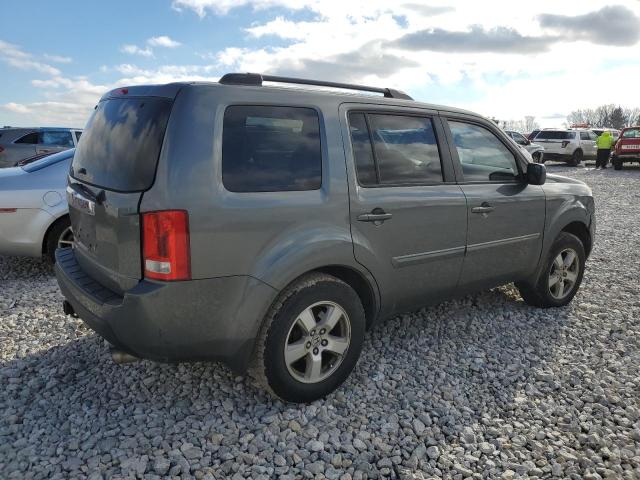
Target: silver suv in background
x,y
18,143
269,227
536,150
570,146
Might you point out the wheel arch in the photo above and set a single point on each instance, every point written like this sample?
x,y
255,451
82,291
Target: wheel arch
x,y
580,230
62,217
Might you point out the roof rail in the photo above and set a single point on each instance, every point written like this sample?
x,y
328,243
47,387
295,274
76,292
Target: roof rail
x,y
256,79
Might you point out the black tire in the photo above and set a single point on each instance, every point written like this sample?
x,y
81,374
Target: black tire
x,y
54,236
269,367
617,164
576,158
538,294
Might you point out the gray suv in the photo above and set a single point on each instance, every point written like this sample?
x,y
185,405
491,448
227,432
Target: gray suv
x,y
269,227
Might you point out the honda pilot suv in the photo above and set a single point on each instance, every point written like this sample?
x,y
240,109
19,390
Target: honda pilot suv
x,y
269,227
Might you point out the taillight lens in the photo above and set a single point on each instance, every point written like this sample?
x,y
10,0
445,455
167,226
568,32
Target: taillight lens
x,y
165,240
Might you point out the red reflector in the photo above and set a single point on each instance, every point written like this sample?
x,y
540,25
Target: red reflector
x,y
1,149
8,210
165,245
124,91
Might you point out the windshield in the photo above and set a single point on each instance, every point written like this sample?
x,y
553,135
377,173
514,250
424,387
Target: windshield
x,y
48,160
121,143
555,135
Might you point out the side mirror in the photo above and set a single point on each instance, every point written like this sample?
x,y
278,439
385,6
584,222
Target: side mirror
x,y
527,141
536,174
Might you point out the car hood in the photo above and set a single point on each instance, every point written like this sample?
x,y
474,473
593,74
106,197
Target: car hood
x,y
560,179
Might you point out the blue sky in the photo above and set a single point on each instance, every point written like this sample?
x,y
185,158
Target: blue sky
x,y
508,60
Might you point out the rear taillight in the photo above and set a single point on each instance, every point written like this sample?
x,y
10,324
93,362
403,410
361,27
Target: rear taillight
x,y
1,149
165,245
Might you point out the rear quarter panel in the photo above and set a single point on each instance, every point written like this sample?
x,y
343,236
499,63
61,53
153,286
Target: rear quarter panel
x,y
272,236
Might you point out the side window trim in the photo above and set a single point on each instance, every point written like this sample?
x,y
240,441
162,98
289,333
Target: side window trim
x,y
447,169
457,165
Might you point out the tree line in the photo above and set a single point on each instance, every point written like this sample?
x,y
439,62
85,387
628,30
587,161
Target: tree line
x,y
612,116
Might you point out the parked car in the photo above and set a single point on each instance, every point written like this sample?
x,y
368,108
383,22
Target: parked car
x,y
19,143
570,146
627,148
532,135
536,150
615,133
34,218
268,227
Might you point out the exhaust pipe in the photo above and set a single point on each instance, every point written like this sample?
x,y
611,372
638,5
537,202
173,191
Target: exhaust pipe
x,y
120,357
67,308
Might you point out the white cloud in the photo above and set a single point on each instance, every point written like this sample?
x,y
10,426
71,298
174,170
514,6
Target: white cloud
x,y
16,57
57,58
163,41
16,107
135,50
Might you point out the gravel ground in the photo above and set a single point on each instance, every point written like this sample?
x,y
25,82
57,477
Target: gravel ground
x,y
482,387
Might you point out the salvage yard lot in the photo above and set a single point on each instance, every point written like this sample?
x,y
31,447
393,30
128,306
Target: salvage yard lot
x,y
484,386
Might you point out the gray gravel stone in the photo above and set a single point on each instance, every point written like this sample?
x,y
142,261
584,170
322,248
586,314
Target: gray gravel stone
x,y
479,387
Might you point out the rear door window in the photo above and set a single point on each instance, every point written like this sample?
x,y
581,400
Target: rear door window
x,y
121,144
271,149
584,136
55,138
405,149
484,158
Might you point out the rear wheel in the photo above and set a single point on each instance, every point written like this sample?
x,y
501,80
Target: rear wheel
x,y
560,275
311,339
60,235
576,158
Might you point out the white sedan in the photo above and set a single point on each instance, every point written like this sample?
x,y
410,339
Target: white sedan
x,y
34,216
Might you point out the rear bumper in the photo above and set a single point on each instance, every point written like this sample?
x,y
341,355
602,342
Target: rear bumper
x,y
627,157
209,319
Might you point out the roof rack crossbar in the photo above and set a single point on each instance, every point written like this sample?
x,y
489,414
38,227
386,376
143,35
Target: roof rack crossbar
x,y
256,79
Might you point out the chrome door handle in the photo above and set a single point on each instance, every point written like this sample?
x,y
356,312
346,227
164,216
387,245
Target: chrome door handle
x,y
374,217
484,208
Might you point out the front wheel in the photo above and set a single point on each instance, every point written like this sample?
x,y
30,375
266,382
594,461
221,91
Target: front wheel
x,y
560,275
311,339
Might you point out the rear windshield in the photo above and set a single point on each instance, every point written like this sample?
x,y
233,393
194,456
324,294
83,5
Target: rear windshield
x,y
121,143
631,133
555,135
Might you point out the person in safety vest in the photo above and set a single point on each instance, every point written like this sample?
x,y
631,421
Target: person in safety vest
x,y
604,144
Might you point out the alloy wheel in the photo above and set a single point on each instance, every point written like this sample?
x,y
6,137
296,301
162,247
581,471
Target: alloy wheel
x,y
317,342
563,274
65,240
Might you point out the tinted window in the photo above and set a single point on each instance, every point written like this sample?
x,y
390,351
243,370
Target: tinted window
x,y
269,149
406,150
362,150
555,135
482,155
28,138
584,136
520,140
632,133
121,143
56,138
